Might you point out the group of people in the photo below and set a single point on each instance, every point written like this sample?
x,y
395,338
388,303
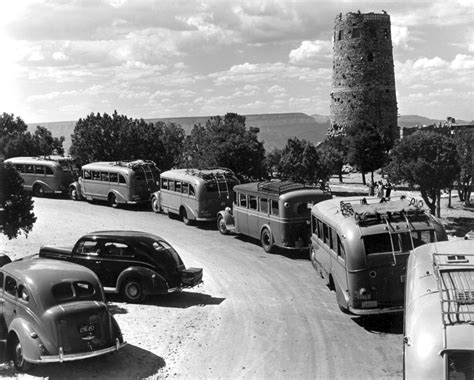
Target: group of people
x,y
380,189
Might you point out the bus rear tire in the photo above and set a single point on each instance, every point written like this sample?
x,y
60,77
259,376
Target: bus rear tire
x,y
185,218
113,201
221,225
38,191
266,239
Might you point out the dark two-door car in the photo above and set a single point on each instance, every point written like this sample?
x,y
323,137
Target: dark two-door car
x,y
132,263
52,311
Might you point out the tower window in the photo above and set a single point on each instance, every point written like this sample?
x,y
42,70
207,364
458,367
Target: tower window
x,y
386,34
341,35
356,32
370,57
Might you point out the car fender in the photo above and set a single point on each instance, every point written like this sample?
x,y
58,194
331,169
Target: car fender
x,y
228,218
28,336
151,280
77,185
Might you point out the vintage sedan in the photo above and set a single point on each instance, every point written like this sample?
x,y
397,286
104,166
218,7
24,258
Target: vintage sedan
x,y
52,311
132,263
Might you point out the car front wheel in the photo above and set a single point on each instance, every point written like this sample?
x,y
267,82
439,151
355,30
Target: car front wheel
x,y
221,226
132,291
113,201
155,205
20,363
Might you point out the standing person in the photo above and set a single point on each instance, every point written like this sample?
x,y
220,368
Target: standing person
x,y
388,189
371,189
380,189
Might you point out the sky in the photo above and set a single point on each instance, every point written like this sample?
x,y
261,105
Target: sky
x,y
62,60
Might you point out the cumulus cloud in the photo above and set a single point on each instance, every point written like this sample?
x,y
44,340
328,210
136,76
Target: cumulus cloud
x,y
309,51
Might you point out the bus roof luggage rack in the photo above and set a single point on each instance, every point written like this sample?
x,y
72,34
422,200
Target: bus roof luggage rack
x,y
367,213
456,286
282,187
211,174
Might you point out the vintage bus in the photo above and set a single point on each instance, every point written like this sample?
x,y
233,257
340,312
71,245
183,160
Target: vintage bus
x,y
116,182
438,339
194,194
360,247
276,213
45,174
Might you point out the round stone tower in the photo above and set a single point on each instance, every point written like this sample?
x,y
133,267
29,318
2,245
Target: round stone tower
x,y
363,81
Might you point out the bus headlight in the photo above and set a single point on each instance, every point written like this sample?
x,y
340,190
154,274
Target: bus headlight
x,y
362,291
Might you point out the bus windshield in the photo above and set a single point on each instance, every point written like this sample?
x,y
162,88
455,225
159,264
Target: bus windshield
x,y
402,242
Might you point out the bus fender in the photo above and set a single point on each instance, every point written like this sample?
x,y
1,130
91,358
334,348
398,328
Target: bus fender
x,y
342,297
44,185
151,281
228,217
118,196
265,226
78,190
190,214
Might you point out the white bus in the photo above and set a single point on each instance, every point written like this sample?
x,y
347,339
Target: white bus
x,y
194,194
45,174
117,182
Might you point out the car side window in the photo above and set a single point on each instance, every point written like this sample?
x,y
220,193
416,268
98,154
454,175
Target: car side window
x,y
115,249
23,293
10,286
88,248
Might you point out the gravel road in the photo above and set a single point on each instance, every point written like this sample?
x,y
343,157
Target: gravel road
x,y
257,316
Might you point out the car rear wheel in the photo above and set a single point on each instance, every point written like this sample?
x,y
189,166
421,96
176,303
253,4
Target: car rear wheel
x,y
38,191
132,291
221,226
267,240
18,359
113,201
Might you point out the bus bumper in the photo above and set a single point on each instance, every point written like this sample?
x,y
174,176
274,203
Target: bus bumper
x,y
386,310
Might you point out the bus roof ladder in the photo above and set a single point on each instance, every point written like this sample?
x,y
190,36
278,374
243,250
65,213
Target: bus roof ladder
x,y
390,229
149,177
456,290
411,228
221,176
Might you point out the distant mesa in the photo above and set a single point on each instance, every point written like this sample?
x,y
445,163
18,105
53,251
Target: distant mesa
x,y
275,128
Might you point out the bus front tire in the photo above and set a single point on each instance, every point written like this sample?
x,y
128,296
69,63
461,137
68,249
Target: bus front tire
x,y
113,201
267,240
221,225
155,205
38,191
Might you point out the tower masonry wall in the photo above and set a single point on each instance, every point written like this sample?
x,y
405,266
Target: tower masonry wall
x,y
363,82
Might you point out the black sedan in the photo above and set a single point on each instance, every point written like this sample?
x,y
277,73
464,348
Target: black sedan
x,y
132,263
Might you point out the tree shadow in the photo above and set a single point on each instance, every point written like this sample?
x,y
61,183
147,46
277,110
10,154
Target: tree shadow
x,y
381,323
183,300
130,362
460,226
293,254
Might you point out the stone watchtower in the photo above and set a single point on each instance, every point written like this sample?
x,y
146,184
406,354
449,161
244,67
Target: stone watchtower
x,y
363,80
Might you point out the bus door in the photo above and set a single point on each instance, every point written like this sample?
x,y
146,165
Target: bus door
x,y
241,214
322,248
253,219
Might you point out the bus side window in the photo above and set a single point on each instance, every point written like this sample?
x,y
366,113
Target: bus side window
x,y
185,188
171,185
29,169
320,229
275,208
48,170
1,280
264,205
164,183
96,176
314,225
113,177
20,168
104,177
39,169
86,174
326,234
121,179
333,240
253,202
242,200
340,249
177,187
191,190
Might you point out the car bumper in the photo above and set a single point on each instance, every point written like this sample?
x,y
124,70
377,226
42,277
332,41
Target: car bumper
x,y
386,310
79,356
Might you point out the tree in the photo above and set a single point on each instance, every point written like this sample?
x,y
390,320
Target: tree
x,y
428,161
367,148
299,161
332,156
464,141
18,213
226,142
117,137
15,140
